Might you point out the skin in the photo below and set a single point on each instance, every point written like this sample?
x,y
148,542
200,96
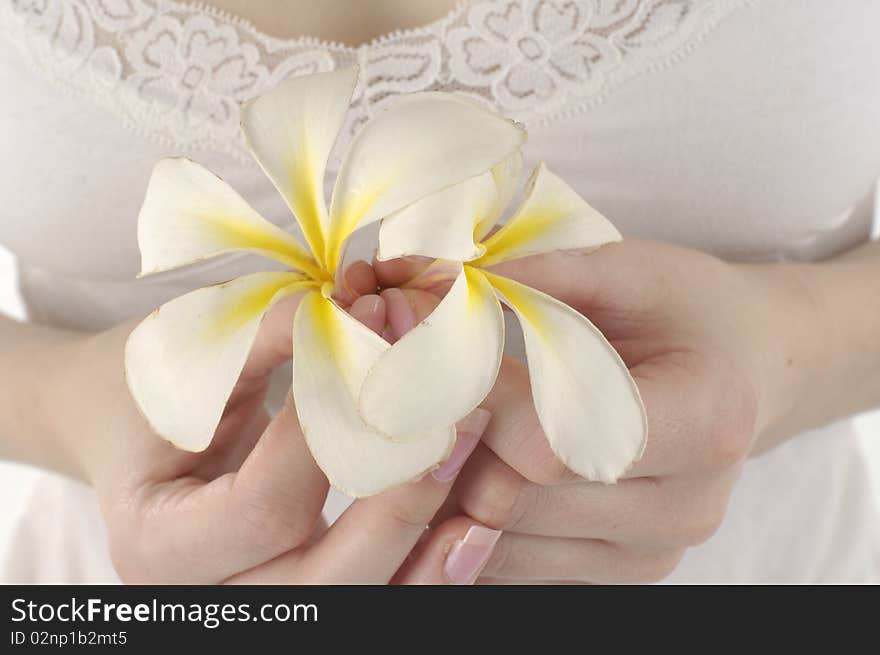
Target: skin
x,y
731,360
248,509
352,22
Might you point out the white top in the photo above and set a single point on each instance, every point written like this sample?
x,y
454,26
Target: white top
x,y
743,128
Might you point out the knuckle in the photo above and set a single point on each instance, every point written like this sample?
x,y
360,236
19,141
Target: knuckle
x,y
452,529
552,472
496,500
269,522
411,516
524,446
540,464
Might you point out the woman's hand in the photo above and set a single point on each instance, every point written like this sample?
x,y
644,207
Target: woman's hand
x,y
248,509
725,357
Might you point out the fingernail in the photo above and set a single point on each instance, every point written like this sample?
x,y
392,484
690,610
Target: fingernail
x,y
371,304
469,431
401,316
346,282
366,304
468,556
367,309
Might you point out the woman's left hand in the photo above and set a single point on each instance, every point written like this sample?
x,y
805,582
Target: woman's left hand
x,y
721,353
248,508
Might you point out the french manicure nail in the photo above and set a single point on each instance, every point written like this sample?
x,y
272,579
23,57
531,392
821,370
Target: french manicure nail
x,y
468,556
470,430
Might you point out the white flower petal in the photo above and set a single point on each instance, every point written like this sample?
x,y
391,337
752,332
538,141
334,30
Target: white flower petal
x,y
507,176
587,402
332,353
443,368
422,143
552,217
184,359
291,130
439,274
442,224
191,214
450,223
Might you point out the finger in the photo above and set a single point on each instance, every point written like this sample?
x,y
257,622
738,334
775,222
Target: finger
x,y
694,422
405,308
397,272
597,279
648,512
358,279
203,533
674,401
370,310
280,490
234,440
374,536
527,558
494,582
272,347
698,421
515,434
454,552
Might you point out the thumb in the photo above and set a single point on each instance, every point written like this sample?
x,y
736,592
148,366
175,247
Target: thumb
x,y
567,276
274,343
625,275
406,308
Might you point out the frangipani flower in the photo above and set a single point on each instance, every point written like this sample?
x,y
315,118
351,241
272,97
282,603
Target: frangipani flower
x,y
585,398
183,361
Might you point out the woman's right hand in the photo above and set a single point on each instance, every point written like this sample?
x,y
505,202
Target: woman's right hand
x,y
248,509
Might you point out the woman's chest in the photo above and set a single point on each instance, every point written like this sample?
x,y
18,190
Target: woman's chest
x,y
747,129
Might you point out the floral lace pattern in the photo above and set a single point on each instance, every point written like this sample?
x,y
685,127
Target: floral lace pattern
x,y
178,72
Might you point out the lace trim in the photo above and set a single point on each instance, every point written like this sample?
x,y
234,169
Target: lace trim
x,y
177,73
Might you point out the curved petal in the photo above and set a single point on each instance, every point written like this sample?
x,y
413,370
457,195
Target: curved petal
x,y
191,214
587,402
332,353
422,143
291,130
440,225
183,360
440,273
444,367
507,176
552,217
450,223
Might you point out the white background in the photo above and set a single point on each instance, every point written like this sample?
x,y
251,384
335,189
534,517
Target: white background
x,y
16,480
